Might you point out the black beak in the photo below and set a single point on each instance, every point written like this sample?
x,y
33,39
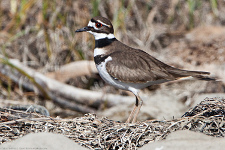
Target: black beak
x,y
83,29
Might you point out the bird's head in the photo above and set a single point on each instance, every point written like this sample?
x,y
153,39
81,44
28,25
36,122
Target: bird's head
x,y
100,27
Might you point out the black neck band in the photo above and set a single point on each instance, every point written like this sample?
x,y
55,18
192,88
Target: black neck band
x,y
103,42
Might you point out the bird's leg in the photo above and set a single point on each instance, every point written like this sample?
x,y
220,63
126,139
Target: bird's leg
x,y
138,107
133,111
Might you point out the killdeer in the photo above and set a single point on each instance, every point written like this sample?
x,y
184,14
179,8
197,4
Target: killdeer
x,y
128,68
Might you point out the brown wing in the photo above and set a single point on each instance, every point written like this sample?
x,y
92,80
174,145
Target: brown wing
x,y
136,66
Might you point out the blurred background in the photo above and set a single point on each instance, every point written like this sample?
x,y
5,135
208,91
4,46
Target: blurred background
x,y
188,34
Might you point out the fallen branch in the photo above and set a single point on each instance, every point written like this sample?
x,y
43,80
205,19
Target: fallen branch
x,y
71,70
65,95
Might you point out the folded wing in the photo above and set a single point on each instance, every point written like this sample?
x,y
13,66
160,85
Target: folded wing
x,y
142,68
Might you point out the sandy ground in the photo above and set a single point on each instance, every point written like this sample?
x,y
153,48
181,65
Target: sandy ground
x,y
42,141
187,140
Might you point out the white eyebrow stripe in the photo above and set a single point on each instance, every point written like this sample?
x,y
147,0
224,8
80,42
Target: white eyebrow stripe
x,y
103,23
92,24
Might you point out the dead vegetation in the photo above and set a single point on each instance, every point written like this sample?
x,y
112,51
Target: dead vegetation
x,y
102,133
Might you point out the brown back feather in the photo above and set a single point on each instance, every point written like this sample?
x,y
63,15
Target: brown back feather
x,y
134,65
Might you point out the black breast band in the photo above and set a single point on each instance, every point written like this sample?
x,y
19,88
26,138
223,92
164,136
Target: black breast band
x,y
99,59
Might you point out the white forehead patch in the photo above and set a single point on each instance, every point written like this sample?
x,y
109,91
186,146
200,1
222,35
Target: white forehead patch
x,y
91,24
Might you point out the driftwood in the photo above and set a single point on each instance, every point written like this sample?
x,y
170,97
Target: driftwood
x,y
65,95
74,69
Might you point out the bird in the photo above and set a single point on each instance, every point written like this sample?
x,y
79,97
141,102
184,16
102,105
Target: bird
x,y
128,68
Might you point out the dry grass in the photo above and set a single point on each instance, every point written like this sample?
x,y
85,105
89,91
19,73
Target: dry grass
x,y
95,133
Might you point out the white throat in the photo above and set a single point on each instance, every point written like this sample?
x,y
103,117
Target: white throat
x,y
102,35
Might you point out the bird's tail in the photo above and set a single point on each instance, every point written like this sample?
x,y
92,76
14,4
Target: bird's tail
x,y
201,75
206,78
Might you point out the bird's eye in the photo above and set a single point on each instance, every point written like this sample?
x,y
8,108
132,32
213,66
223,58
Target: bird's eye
x,y
98,25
